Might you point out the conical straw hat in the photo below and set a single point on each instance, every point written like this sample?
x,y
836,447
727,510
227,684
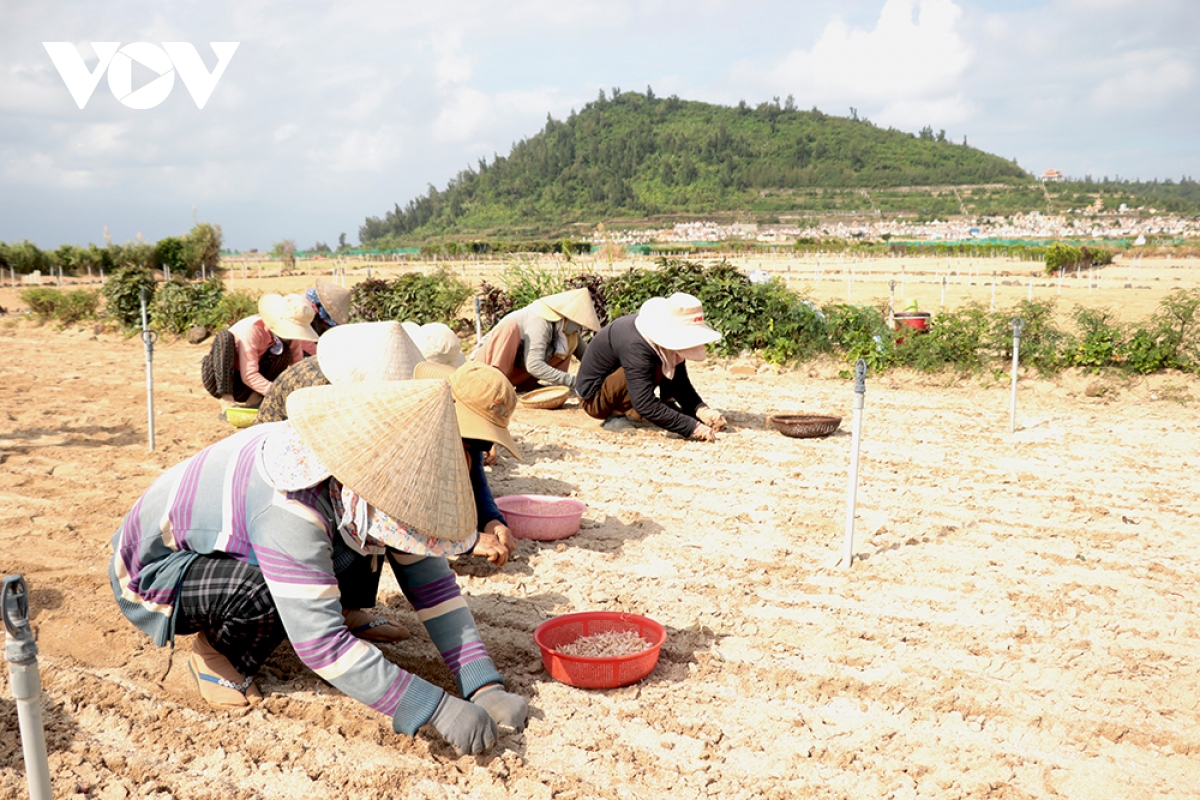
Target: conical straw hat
x,y
576,305
396,445
335,300
367,351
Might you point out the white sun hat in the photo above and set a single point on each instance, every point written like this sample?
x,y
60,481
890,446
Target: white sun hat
x,y
675,322
441,345
288,317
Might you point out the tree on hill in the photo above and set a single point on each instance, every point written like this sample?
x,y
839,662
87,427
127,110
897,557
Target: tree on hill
x,y
632,154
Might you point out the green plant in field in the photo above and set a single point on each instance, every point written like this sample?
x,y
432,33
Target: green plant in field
x,y
123,295
179,305
230,309
1170,339
1099,339
1041,339
66,308
751,316
416,297
861,332
956,339
43,303
1145,349
525,282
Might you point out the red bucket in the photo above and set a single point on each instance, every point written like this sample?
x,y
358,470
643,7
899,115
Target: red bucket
x,y
913,320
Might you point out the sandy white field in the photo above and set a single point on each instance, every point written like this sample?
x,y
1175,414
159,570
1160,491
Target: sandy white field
x,y
1021,620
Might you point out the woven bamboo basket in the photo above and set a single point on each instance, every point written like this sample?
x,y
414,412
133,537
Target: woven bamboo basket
x,y
547,397
804,426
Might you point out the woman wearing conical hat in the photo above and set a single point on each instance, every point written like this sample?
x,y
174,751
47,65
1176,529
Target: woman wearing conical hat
x,y
330,304
360,351
244,359
243,545
533,345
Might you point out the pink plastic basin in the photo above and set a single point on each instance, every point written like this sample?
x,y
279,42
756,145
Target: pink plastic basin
x,y
542,517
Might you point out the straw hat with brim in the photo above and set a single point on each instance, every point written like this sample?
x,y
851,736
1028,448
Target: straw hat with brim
x,y
484,400
335,300
576,305
367,351
288,317
440,344
396,445
675,322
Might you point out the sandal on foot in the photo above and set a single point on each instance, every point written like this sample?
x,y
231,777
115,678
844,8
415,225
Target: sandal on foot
x,y
219,684
374,629
216,691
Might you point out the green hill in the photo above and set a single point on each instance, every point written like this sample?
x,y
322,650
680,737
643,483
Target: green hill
x,y
635,156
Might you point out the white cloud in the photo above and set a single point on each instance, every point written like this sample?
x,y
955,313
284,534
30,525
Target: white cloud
x,y
465,113
285,131
453,65
914,53
362,151
42,170
1141,86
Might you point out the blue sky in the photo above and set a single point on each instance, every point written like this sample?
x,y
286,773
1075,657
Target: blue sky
x,y
331,112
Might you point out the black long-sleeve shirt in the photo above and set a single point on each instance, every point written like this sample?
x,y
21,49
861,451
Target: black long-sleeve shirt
x,y
620,345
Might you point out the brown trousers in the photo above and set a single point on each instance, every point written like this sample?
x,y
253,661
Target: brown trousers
x,y
502,350
613,397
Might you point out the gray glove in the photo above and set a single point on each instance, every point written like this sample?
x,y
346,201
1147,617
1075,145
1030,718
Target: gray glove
x,y
507,709
464,725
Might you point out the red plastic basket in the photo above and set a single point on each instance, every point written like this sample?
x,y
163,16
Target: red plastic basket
x,y
598,673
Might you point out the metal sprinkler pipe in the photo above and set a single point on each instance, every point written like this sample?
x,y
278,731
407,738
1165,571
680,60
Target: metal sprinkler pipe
x,y
860,391
20,650
149,337
1017,325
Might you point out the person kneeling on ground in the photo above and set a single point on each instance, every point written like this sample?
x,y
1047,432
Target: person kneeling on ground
x,y
243,543
484,403
330,304
640,353
533,345
245,358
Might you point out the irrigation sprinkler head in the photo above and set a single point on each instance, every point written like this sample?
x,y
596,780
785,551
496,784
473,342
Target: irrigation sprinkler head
x,y
19,646
860,376
1017,324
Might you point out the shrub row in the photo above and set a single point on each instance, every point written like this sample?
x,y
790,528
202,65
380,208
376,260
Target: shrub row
x,y
783,327
763,317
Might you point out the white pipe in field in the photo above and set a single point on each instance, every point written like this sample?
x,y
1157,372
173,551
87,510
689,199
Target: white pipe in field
x,y
860,391
20,651
1017,325
148,336
1030,296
